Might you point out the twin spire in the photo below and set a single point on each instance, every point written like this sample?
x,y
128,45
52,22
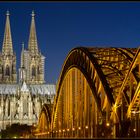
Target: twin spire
x,y
32,44
7,47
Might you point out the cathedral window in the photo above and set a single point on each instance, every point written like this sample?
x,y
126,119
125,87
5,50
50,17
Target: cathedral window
x,y
38,70
25,106
7,71
12,67
0,69
8,107
33,71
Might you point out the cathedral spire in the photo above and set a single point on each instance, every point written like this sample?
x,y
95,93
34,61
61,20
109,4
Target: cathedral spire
x,y
32,44
7,47
22,55
22,46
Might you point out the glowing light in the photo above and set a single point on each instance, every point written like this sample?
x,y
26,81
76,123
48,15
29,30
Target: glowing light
x,y
56,131
107,124
86,127
134,112
134,130
64,130
114,107
73,129
59,131
68,129
79,128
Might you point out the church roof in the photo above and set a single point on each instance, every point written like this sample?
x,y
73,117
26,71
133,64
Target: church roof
x,y
8,88
24,87
42,89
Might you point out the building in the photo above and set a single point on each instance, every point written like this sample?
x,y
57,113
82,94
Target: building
x,y
21,99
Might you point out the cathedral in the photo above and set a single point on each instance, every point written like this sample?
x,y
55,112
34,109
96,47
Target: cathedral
x,y
21,99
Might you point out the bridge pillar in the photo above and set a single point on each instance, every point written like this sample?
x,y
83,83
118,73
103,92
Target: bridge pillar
x,y
56,134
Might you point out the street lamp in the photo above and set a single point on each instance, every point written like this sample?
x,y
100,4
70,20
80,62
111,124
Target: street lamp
x,y
107,124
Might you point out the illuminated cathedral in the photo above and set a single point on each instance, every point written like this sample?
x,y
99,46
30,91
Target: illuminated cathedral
x,y
21,99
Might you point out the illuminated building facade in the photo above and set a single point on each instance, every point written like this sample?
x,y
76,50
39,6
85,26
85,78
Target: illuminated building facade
x,y
21,100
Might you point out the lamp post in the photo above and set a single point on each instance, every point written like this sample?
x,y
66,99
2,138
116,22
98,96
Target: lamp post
x,y
63,132
86,131
68,132
79,130
73,133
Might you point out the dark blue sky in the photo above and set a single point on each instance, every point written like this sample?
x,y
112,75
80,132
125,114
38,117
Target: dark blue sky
x,y
62,26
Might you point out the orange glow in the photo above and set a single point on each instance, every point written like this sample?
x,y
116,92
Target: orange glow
x,y
107,124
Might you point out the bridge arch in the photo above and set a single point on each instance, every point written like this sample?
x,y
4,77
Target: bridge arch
x,y
44,122
97,90
93,63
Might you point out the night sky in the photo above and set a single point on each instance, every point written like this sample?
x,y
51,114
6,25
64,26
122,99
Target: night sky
x,y
62,26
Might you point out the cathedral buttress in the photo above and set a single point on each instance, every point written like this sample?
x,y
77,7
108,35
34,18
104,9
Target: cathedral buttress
x,y
8,58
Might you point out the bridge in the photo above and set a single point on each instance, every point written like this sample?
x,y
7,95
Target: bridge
x,y
98,95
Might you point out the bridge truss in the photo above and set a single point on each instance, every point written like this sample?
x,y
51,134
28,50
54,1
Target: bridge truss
x,y
98,95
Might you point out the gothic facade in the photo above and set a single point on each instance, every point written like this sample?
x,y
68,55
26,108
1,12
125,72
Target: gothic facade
x,y
21,99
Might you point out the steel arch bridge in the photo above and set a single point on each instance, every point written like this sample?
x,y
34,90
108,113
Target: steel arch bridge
x,y
98,95
44,122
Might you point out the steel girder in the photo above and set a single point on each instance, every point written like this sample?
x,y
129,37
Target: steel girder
x,y
118,60
81,58
44,123
111,69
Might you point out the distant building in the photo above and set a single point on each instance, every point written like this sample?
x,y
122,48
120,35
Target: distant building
x,y
21,99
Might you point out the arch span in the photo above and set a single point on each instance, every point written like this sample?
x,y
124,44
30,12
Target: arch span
x,y
44,123
95,92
